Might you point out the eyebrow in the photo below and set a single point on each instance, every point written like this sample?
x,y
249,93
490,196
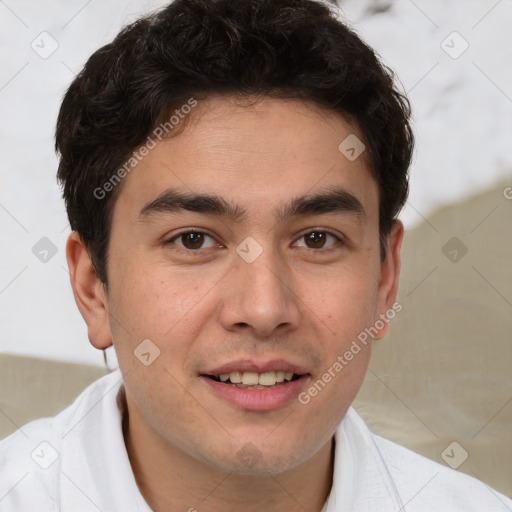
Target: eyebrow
x,y
334,200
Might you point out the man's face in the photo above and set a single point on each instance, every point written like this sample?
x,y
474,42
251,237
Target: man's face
x,y
271,288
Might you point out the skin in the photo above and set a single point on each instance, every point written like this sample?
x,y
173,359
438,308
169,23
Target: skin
x,y
206,307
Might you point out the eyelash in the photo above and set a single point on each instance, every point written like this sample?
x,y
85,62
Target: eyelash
x,y
337,238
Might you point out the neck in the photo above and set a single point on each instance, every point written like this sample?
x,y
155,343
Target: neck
x,y
170,479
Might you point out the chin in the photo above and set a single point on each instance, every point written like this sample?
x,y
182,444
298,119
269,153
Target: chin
x,y
251,458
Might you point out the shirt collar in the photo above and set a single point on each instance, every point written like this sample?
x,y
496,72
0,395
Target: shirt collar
x,y
360,478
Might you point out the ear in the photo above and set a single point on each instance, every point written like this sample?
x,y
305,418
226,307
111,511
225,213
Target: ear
x,y
89,292
389,274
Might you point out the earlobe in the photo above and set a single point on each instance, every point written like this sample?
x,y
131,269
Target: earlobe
x,y
89,292
389,276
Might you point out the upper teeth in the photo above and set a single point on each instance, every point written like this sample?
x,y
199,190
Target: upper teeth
x,y
253,378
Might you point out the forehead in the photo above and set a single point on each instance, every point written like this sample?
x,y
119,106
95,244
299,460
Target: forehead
x,y
253,154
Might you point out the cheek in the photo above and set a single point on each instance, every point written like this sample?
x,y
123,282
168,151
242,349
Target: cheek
x,y
347,302
148,301
346,307
346,348
150,296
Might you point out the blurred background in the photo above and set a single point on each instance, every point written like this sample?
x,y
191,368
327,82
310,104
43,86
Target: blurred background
x,y
443,375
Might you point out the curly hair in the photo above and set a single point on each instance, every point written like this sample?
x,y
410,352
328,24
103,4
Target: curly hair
x,y
288,49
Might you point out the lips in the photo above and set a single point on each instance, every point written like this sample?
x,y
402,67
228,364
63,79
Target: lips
x,y
256,385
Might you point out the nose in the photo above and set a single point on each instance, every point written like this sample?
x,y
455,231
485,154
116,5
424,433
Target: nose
x,y
261,298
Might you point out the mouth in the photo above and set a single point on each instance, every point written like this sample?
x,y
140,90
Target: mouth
x,y
256,387
255,380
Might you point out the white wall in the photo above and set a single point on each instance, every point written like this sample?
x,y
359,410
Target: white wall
x,y
463,118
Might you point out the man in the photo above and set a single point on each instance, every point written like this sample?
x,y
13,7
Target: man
x,y
232,173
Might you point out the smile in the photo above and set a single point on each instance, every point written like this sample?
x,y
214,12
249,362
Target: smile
x,y
255,380
249,394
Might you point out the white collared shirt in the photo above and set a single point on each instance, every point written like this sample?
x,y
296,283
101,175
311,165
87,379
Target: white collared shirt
x,y
77,462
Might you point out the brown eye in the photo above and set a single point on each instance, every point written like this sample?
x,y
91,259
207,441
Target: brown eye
x,y
192,240
318,239
315,239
